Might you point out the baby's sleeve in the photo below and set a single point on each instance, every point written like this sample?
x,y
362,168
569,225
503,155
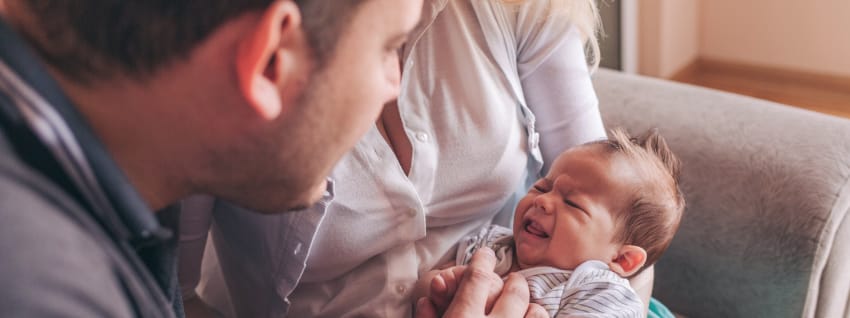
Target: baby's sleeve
x,y
600,300
493,236
592,293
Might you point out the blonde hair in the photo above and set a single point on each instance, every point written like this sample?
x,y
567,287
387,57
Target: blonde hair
x,y
585,16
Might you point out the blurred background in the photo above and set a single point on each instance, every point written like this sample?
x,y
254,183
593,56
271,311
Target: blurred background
x,y
790,51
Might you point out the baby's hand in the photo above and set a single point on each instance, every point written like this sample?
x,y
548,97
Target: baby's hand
x,y
444,285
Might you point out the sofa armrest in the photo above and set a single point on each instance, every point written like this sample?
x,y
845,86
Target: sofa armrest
x,y
765,231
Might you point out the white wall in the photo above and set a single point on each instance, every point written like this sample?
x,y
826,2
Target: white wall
x,y
669,35
803,35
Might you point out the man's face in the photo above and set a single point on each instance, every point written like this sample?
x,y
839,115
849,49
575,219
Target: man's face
x,y
340,102
567,217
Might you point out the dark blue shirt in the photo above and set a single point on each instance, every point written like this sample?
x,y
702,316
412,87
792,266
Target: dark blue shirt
x,y
61,173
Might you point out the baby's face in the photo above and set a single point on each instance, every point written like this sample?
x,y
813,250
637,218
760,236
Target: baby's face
x,y
566,218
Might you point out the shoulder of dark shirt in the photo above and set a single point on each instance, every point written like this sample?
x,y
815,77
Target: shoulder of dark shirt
x,y
50,265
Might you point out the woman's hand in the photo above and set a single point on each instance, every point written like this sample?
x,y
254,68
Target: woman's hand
x,y
443,286
483,294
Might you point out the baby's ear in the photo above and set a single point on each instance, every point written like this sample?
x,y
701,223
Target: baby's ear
x,y
629,260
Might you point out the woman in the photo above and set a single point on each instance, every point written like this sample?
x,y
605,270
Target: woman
x,y
491,90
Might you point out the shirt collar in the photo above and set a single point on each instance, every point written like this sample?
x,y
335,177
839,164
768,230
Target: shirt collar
x,y
125,207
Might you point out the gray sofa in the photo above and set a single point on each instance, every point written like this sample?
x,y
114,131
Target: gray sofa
x,y
766,231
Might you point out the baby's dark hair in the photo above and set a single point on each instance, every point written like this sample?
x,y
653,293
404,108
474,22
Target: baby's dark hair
x,y
652,216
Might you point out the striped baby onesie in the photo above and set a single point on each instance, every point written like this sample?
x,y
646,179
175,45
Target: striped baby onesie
x,y
590,290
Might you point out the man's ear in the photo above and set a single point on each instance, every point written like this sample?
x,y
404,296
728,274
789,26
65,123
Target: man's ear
x,y
261,64
629,260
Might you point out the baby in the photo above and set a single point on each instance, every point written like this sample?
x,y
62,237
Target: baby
x,y
605,211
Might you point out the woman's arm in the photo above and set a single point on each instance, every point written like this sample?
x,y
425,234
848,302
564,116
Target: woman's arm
x,y
556,81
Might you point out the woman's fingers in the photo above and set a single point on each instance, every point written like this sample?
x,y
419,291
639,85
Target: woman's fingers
x,y
424,309
536,311
439,286
480,289
475,286
452,278
440,295
513,301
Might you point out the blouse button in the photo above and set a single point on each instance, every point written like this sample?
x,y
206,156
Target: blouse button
x,y
400,288
423,137
412,212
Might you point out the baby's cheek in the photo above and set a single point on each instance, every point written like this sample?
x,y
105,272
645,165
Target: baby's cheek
x,y
518,215
523,206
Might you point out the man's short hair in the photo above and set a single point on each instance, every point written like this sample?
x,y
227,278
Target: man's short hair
x,y
654,212
92,39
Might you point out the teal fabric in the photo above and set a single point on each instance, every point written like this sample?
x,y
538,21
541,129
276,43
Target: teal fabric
x,y
658,310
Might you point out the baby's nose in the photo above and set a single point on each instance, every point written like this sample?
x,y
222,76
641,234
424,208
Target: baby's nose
x,y
544,202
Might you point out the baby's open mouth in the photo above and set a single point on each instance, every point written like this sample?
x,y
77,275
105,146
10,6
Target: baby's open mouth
x,y
535,229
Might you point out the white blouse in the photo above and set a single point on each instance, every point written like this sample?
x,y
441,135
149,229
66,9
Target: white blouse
x,y
470,69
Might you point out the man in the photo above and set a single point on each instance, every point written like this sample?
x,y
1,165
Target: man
x,y
127,106
112,109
